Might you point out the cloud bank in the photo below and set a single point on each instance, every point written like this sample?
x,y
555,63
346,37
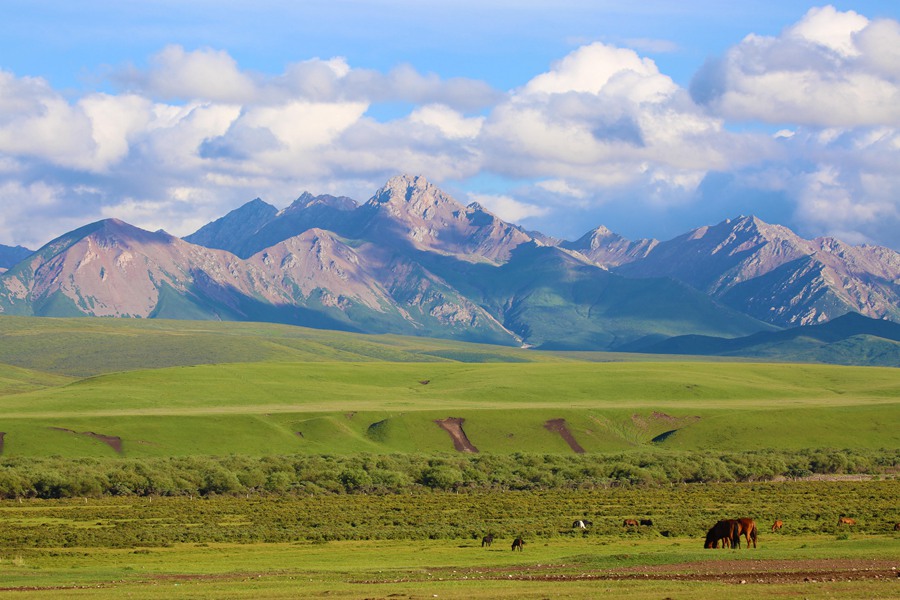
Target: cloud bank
x,y
802,127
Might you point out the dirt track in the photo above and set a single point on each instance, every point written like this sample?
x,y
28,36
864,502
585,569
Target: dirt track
x,y
560,427
113,441
734,572
453,426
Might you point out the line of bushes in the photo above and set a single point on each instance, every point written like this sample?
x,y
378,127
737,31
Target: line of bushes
x,y
58,477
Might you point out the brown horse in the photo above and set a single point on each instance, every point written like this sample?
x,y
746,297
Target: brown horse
x,y
630,523
897,527
726,531
487,540
778,524
518,544
747,528
846,521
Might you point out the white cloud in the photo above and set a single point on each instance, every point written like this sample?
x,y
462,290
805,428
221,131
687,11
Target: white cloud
x,y
35,213
115,121
508,208
204,75
831,69
601,69
450,122
561,188
194,135
830,28
605,118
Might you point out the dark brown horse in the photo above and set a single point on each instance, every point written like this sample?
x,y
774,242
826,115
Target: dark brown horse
x,y
647,522
726,531
747,528
629,523
778,524
897,527
487,540
518,544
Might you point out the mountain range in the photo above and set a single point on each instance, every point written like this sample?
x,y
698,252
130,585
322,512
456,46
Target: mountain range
x,y
412,260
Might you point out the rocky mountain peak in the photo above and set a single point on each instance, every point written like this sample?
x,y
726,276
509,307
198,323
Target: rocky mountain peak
x,y
307,200
236,225
609,249
11,255
415,195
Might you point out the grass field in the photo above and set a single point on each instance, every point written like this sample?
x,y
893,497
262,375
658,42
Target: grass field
x,y
220,396
262,408
164,388
414,546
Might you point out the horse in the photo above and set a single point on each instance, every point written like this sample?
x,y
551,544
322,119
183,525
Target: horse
x,y
647,522
747,528
581,524
726,531
518,544
487,540
896,526
629,523
846,521
778,524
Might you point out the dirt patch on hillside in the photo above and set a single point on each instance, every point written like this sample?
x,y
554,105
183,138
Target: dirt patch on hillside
x,y
559,426
113,441
453,426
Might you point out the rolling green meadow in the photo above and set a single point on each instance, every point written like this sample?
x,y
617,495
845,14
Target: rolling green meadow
x,y
218,460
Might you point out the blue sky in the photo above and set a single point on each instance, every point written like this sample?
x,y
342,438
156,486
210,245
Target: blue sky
x,y
650,118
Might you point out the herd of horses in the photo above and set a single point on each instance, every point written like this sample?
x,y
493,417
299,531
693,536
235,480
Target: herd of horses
x,y
726,532
518,543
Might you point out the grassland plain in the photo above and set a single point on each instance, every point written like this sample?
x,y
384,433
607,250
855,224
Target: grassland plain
x,y
122,394
421,545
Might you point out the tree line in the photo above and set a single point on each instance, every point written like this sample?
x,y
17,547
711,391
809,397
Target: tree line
x,y
59,477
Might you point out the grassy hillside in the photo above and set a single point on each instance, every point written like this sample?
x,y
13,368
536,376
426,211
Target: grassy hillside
x,y
281,407
90,346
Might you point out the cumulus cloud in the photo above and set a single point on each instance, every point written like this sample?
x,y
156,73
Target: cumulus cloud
x,y
508,208
606,118
205,74
831,69
603,131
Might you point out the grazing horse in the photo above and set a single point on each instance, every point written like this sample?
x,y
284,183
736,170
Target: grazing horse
x,y
778,524
726,531
647,522
581,524
518,544
629,523
747,528
846,521
897,527
487,540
